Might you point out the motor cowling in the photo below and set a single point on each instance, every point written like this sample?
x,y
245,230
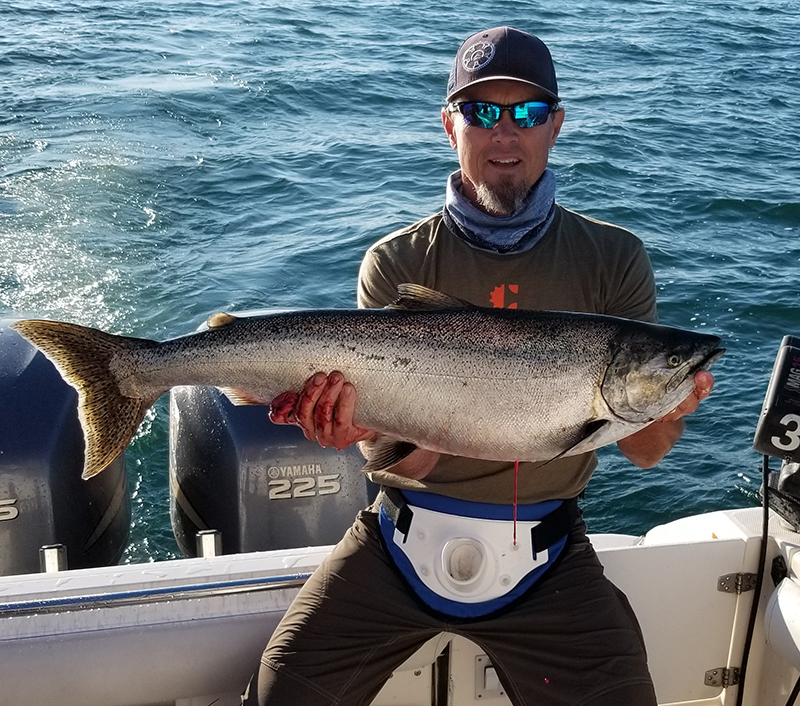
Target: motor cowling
x,y
261,485
43,500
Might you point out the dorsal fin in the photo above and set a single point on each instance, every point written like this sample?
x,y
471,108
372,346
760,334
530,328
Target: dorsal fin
x,y
415,297
220,319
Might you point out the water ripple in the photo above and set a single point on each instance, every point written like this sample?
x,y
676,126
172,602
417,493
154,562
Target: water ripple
x,y
162,160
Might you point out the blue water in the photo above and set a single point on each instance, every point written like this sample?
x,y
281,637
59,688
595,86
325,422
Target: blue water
x,y
163,160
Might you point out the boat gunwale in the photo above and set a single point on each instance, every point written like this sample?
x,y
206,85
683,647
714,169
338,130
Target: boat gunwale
x,y
151,595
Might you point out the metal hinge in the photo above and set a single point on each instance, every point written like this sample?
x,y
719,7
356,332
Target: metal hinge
x,y
736,583
722,676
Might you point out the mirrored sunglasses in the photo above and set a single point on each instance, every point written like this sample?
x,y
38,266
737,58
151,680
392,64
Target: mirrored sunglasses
x,y
487,115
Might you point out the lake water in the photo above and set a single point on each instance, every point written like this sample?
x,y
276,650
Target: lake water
x,y
163,160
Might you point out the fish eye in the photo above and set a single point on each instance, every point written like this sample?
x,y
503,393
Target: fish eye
x,y
674,360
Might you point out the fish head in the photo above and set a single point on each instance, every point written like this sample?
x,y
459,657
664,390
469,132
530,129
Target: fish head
x,y
652,369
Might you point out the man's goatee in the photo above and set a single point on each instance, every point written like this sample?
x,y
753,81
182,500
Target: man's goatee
x,y
501,199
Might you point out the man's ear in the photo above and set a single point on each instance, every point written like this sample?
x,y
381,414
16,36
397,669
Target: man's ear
x,y
558,121
450,128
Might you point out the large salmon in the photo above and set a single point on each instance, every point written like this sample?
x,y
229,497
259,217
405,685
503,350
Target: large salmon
x,y
431,371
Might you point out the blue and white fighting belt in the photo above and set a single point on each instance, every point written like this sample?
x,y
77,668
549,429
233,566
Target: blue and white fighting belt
x,y
460,557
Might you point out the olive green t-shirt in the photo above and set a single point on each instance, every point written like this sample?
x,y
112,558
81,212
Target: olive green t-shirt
x,y
580,264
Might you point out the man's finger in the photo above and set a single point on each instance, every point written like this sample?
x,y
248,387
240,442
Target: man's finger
x,y
703,384
281,409
323,410
304,410
345,432
342,422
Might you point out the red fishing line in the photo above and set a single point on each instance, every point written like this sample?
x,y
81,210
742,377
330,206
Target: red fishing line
x,y
516,474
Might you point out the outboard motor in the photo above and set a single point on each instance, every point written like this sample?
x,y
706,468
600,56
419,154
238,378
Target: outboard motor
x,y
778,431
260,485
778,435
43,500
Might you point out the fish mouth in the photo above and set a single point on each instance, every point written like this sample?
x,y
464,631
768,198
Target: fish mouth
x,y
686,372
708,361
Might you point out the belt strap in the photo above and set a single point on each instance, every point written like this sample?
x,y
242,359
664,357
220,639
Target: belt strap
x,y
555,525
550,529
397,508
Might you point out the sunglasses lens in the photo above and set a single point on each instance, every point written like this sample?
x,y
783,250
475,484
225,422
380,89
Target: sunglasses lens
x,y
483,115
486,115
530,113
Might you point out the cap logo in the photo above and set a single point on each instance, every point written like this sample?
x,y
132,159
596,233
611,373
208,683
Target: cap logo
x,y
478,55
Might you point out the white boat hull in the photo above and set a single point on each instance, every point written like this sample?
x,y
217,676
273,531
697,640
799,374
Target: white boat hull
x,y
190,631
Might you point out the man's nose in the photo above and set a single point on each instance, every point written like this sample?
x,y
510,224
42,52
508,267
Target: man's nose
x,y
506,129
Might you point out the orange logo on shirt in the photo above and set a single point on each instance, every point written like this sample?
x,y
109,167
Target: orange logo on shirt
x,y
498,296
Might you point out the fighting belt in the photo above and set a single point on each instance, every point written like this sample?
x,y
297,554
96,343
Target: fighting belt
x,y
460,557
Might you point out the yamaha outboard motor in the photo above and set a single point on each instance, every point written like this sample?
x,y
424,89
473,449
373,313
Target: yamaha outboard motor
x,y
261,486
43,500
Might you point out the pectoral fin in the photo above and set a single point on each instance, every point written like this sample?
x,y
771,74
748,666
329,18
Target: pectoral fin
x,y
386,453
592,432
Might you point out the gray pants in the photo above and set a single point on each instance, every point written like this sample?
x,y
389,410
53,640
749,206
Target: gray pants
x,y
571,640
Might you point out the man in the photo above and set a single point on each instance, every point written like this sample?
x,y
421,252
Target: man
x,y
562,633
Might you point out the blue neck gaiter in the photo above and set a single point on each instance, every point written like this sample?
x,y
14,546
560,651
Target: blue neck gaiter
x,y
515,233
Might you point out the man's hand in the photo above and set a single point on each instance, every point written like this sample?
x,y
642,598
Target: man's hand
x,y
647,447
703,384
323,410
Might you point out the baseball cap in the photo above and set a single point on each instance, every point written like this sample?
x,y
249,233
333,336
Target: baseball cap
x,y
503,53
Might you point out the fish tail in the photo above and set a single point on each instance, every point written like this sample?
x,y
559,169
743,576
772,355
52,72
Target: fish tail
x,y
83,356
